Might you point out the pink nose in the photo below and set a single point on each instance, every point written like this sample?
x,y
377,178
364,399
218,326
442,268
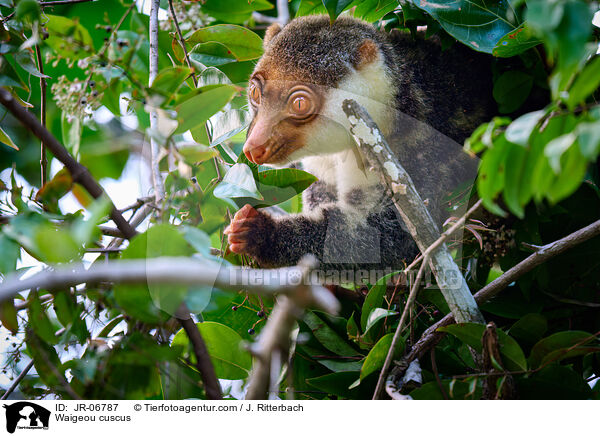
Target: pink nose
x,y
256,154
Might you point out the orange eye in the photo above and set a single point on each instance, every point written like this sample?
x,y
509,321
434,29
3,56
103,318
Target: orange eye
x,y
255,94
301,104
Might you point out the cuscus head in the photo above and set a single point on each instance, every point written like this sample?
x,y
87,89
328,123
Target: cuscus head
x,y
297,88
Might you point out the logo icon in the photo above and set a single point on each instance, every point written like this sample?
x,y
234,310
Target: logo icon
x,y
26,415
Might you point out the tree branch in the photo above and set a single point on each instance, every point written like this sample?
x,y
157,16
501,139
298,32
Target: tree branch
x,y
283,14
79,173
415,215
176,270
157,182
203,362
431,336
21,376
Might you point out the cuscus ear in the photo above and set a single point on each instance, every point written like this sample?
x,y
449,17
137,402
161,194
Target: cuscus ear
x,y
367,53
272,30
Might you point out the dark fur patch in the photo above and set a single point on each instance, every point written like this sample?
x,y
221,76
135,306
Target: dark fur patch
x,y
355,197
317,194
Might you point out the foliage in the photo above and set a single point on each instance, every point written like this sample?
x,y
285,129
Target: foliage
x,y
538,163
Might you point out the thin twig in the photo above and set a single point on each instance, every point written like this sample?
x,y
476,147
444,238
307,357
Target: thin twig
x,y
203,362
390,355
43,157
182,43
79,173
21,376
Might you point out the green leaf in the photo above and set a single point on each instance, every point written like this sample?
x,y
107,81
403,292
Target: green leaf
x,y
519,131
586,83
11,252
25,61
238,182
376,315
277,186
9,77
456,390
311,7
8,316
378,353
492,167
327,336
337,384
85,231
341,366
169,79
529,328
516,194
38,320
516,42
198,239
561,342
68,38
212,54
45,359
511,90
335,7
554,383
195,111
151,302
224,346
27,10
471,334
71,132
374,10
244,44
56,245
573,169
196,153
588,137
480,24
545,15
374,299
556,148
234,11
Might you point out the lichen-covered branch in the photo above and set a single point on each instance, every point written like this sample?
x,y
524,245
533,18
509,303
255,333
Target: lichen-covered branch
x,y
419,222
